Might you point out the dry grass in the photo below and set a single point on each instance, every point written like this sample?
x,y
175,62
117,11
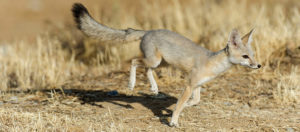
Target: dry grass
x,y
60,81
35,66
288,87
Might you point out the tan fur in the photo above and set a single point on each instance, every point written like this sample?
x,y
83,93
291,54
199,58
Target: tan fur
x,y
201,64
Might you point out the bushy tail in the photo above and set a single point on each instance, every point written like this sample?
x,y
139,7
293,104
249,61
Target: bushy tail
x,y
96,30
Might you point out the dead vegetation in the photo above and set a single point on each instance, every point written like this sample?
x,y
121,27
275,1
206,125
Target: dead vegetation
x,y
61,81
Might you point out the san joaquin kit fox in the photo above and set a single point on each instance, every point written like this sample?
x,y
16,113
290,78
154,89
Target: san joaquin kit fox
x,y
157,45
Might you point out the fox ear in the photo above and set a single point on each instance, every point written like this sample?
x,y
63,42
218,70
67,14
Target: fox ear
x,y
247,39
234,38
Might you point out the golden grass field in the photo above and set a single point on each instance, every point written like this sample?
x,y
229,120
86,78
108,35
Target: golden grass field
x,y
53,78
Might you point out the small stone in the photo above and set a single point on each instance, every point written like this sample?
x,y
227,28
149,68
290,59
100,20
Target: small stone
x,y
113,93
246,106
160,96
14,100
289,129
228,103
68,91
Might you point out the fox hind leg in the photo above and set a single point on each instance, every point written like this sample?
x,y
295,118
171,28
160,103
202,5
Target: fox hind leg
x,y
134,64
154,87
151,61
132,79
152,58
150,64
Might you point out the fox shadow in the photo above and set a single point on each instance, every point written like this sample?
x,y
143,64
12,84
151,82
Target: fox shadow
x,y
156,105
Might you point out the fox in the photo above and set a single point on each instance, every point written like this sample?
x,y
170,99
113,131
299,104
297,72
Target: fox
x,y
200,64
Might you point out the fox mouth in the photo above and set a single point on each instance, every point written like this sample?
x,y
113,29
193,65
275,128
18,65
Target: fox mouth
x,y
255,67
252,66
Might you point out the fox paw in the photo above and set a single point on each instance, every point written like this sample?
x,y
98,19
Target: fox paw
x,y
159,96
190,103
130,86
154,90
173,124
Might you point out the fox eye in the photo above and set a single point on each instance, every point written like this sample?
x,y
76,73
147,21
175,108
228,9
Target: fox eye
x,y
245,56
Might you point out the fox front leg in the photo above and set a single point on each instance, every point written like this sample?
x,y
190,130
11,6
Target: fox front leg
x,y
195,97
197,79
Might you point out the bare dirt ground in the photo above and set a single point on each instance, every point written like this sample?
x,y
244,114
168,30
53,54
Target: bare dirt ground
x,y
233,107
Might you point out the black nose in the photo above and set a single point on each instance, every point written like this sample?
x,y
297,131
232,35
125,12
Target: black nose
x,y
258,65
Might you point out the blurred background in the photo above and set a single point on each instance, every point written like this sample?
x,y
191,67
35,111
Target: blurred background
x,y
41,49
27,18
44,33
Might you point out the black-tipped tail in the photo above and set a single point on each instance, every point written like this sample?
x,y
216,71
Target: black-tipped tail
x,y
92,28
78,11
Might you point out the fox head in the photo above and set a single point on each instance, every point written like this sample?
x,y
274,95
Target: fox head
x,y
240,50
